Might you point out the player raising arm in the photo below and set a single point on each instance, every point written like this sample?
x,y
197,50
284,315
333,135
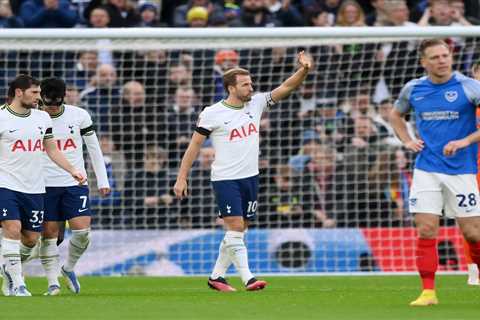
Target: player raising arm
x,y
233,126
25,133
444,104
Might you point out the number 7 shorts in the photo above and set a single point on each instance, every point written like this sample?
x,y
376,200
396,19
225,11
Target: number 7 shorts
x,y
454,195
65,203
237,197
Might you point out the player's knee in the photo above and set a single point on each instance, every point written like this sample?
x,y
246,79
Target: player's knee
x,y
81,237
427,230
29,242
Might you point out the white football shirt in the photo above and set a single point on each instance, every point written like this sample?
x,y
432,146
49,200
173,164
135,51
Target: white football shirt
x,y
69,125
235,136
22,150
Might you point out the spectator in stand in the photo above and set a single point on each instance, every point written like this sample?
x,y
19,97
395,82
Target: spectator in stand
x,y
7,18
179,75
318,18
379,16
285,13
254,13
213,10
350,14
72,95
99,18
197,17
149,15
440,13
224,60
101,94
48,14
457,13
122,13
134,123
181,123
84,69
147,191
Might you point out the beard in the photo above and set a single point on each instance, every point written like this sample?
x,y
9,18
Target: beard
x,y
32,105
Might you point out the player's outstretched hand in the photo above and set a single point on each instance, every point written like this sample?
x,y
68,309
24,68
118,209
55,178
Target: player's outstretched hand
x,y
451,148
414,145
104,191
79,176
305,60
180,189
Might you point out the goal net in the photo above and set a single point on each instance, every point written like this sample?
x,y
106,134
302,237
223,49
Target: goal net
x,y
334,179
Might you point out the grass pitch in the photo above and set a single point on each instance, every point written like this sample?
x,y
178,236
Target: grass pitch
x,y
325,298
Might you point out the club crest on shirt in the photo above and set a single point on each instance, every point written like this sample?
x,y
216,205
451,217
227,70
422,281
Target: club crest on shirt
x,y
451,96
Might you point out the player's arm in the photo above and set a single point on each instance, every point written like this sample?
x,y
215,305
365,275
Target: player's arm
x,y
399,125
453,146
180,188
295,80
96,156
57,156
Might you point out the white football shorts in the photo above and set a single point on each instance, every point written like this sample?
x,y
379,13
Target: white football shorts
x,y
437,193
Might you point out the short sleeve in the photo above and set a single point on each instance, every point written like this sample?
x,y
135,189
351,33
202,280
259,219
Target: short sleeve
x,y
205,123
402,104
472,90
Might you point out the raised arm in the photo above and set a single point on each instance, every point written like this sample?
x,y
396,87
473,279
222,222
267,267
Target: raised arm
x,y
181,189
295,80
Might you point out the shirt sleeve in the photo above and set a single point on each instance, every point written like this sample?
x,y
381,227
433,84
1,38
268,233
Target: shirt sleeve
x,y
205,123
472,90
48,127
86,126
402,104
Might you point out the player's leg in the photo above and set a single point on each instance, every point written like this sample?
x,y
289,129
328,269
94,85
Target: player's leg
x,y
426,202
472,270
77,212
12,267
49,256
470,227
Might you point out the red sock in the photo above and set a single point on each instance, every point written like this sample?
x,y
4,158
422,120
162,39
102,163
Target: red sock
x,y
427,261
475,252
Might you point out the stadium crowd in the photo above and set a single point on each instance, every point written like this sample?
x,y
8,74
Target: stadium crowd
x,y
329,157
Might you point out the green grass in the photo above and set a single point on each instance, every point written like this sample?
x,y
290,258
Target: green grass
x,y
324,298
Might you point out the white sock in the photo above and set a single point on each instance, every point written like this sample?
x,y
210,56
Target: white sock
x,y
78,244
11,257
1,237
50,262
238,253
473,272
25,252
223,262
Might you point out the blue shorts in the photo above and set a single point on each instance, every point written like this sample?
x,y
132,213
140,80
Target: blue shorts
x,y
26,207
65,203
237,197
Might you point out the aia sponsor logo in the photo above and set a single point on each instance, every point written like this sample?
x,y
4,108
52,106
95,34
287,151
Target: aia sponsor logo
x,y
243,132
37,145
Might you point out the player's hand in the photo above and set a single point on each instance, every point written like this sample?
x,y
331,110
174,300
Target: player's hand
x,y
79,176
104,192
305,60
451,148
180,189
415,145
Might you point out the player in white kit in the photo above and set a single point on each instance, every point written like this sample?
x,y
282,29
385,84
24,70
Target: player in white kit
x,y
25,135
65,200
233,126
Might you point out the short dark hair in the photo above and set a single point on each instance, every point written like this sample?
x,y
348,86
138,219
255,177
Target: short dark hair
x,y
22,82
428,43
230,77
53,91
